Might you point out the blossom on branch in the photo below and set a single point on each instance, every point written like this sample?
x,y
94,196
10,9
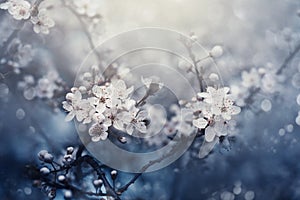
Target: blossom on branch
x,y
19,9
42,22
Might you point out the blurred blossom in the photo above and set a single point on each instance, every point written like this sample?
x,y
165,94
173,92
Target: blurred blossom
x,y
296,80
4,90
20,114
86,7
216,52
251,79
266,105
249,195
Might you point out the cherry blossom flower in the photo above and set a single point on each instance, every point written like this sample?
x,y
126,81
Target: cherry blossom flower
x,y
216,129
48,85
135,119
102,95
86,7
107,105
98,132
120,91
41,22
19,9
269,83
77,107
221,103
22,54
251,79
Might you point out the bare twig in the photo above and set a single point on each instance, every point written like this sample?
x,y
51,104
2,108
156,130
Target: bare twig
x,y
85,30
195,64
149,164
288,59
90,160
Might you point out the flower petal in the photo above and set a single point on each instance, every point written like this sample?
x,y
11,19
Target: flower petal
x,y
209,134
129,129
200,123
103,135
207,147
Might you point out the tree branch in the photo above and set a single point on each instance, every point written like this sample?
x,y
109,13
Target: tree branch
x,y
288,59
84,28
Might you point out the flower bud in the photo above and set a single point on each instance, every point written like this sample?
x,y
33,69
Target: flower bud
x,y
45,170
48,158
113,174
61,178
68,194
52,194
70,150
216,52
98,183
42,154
67,159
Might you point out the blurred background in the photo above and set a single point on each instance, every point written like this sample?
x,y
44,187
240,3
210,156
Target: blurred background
x,y
259,162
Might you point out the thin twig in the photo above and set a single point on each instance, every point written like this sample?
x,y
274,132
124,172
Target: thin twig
x,y
288,59
85,30
195,64
144,168
90,160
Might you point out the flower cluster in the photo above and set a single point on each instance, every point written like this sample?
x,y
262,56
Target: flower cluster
x,y
22,55
59,175
237,191
104,105
210,113
212,110
262,78
23,10
265,80
45,87
86,7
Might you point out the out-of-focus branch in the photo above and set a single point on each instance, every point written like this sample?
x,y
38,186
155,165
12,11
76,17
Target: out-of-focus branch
x,y
85,30
288,59
149,164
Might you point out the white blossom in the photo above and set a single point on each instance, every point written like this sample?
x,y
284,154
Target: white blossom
x,y
135,119
86,7
221,103
77,107
269,83
45,170
216,129
19,9
251,79
42,22
98,132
